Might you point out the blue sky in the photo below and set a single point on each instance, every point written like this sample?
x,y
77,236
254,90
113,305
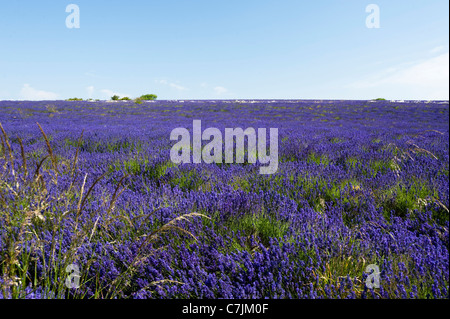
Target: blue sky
x,y
224,49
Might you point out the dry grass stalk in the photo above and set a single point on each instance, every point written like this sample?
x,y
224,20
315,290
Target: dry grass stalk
x,y
75,160
49,149
24,159
3,146
11,158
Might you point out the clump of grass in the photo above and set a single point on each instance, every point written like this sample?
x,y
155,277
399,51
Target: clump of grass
x,y
141,167
186,180
241,183
318,159
377,167
344,274
351,162
336,140
402,199
259,226
51,108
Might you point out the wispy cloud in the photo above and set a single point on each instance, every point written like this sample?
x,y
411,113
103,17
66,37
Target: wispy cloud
x,y
433,72
178,87
220,90
428,79
32,94
172,85
437,49
217,90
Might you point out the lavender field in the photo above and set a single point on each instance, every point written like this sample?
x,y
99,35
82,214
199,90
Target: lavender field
x,y
91,205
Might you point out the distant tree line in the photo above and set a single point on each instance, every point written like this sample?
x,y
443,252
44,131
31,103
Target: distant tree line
x,y
145,97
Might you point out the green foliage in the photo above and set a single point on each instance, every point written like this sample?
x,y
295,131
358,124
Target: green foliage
x,y
141,167
125,98
148,97
319,160
241,183
351,162
260,226
187,180
115,97
74,99
377,167
402,199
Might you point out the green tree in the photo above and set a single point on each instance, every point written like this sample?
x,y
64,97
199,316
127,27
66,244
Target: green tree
x,y
148,97
115,97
